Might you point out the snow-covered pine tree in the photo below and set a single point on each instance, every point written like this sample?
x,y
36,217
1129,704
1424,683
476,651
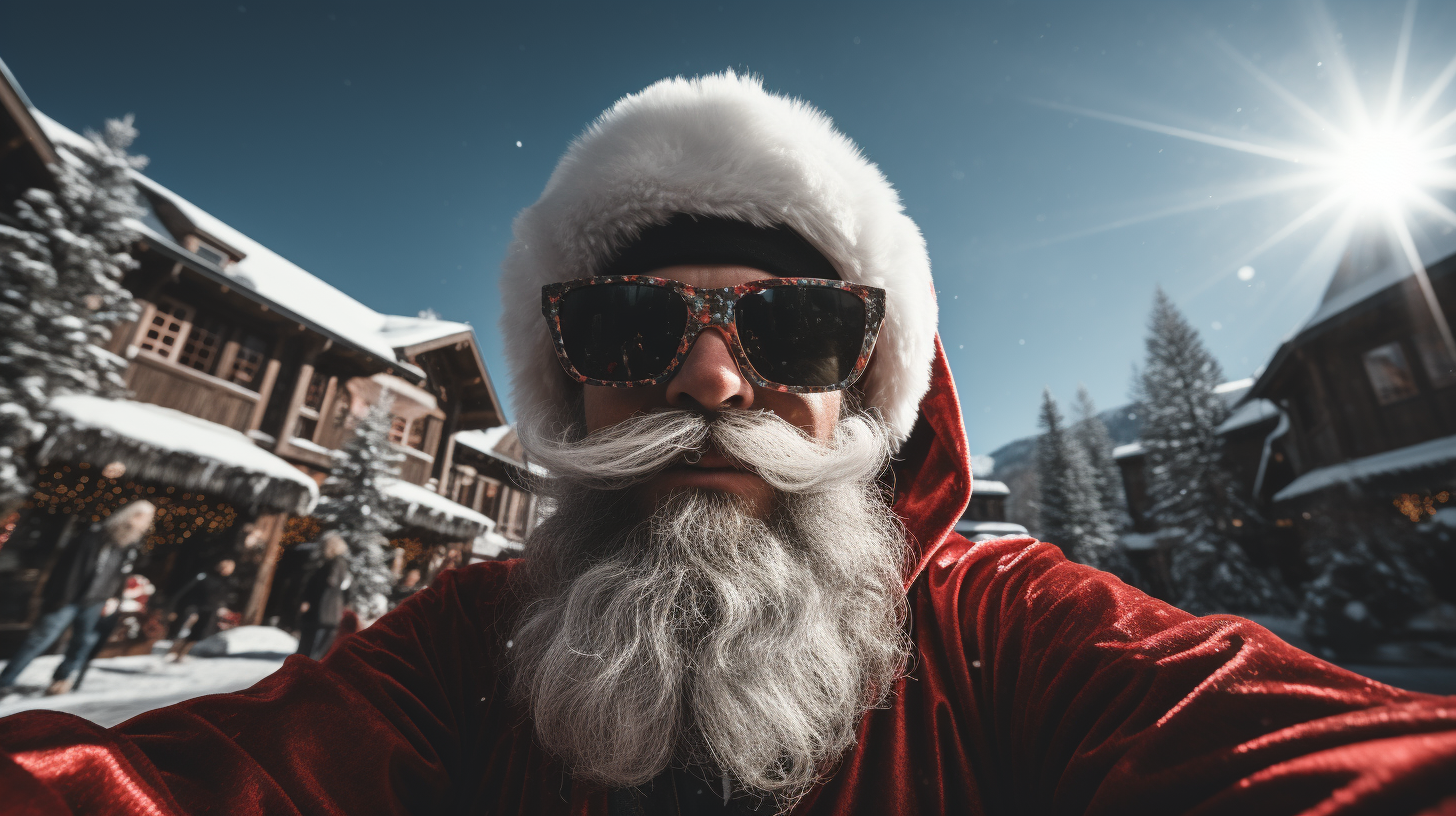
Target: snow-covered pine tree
x,y
1193,496
355,506
1091,432
1071,510
62,257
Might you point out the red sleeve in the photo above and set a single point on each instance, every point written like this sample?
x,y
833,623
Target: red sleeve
x,y
375,728
1094,698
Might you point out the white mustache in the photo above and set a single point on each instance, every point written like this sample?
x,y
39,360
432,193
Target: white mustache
x,y
782,454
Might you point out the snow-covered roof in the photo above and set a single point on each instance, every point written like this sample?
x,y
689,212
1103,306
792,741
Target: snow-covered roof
x,y
988,529
487,441
483,440
280,281
491,544
1125,451
428,509
989,487
162,444
402,332
1139,542
1250,413
1412,457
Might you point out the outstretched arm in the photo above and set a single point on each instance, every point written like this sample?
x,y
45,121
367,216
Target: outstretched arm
x,y
1098,699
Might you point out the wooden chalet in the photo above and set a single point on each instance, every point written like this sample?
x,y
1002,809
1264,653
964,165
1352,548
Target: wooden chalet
x,y
985,516
1353,421
245,371
1366,393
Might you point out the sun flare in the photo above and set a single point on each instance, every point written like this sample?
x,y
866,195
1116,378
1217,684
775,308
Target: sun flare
x,y
1386,168
1381,168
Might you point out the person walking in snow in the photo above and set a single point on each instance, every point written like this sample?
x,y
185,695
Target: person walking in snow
x,y
749,596
323,598
200,604
89,571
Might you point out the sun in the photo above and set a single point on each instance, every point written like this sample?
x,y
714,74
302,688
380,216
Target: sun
x,y
1381,167
1384,169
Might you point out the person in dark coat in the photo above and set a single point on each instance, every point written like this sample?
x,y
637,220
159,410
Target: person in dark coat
x,y
90,571
323,599
200,604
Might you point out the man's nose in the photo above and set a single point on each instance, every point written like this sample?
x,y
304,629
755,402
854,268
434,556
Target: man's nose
x,y
709,378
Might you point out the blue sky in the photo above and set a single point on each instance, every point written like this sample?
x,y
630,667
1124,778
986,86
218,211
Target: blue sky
x,y
376,145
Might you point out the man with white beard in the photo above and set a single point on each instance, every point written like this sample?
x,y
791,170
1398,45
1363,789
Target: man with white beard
x,y
749,597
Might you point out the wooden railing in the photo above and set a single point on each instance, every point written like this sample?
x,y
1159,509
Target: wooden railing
x,y
416,466
191,392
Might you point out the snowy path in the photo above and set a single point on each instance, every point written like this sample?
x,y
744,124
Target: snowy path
x,y
119,688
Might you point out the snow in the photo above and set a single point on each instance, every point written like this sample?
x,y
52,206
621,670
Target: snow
x,y
1139,542
247,640
282,282
1411,457
491,544
172,430
486,441
1250,413
402,332
483,440
310,445
115,689
989,487
1128,450
993,529
433,504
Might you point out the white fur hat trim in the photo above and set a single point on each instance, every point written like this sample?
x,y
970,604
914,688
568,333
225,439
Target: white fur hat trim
x,y
722,146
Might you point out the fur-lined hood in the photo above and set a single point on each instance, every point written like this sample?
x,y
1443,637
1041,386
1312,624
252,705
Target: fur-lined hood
x,y
721,146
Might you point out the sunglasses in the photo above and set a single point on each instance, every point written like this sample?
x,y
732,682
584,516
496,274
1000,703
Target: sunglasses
x,y
798,335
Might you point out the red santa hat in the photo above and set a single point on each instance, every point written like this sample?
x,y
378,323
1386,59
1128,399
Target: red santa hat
x,y
720,147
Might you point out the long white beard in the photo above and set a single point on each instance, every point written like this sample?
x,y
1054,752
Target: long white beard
x,y
703,634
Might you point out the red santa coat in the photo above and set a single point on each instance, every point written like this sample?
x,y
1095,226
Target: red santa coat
x,y
1039,687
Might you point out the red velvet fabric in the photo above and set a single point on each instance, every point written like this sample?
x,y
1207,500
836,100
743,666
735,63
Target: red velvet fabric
x,y
1039,687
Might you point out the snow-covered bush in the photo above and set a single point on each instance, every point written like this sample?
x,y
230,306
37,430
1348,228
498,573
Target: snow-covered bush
x,y
62,258
1371,579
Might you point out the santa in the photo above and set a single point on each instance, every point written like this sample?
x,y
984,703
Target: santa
x,y
748,596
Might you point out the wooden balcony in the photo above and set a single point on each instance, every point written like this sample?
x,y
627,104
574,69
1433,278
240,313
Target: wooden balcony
x,y
202,395
416,466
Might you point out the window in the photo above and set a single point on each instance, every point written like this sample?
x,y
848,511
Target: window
x,y
1437,360
211,253
397,427
248,362
1390,375
164,334
417,433
203,345
313,402
313,396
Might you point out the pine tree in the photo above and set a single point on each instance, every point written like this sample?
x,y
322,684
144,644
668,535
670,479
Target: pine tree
x,y
355,506
1071,510
1194,498
62,258
1091,432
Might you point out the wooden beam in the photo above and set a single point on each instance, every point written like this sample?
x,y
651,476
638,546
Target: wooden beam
x,y
265,392
274,525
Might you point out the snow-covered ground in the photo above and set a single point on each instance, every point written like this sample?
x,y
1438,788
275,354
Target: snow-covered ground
x,y
119,688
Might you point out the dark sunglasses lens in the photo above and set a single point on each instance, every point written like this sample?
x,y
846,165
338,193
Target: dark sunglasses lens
x,y
622,332
802,335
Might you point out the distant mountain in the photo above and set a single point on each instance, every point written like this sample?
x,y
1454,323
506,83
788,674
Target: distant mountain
x,y
1015,462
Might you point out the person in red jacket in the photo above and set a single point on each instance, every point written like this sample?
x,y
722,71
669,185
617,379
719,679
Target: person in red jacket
x,y
750,598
